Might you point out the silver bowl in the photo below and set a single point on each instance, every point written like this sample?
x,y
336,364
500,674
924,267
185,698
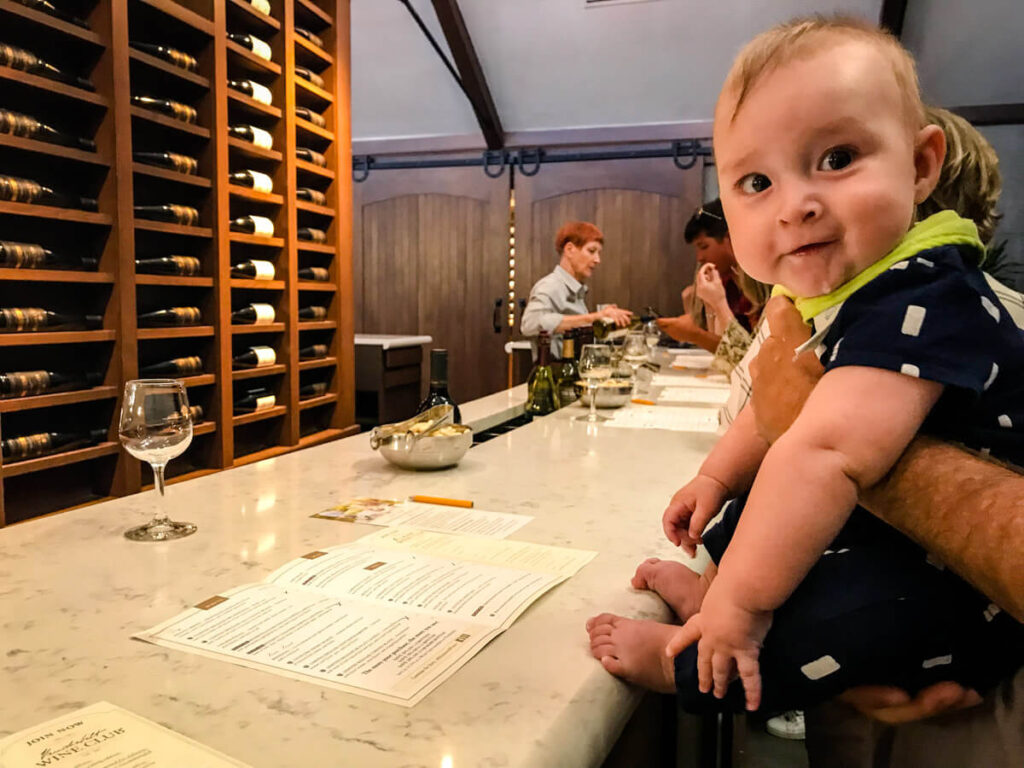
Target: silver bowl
x,y
405,446
613,393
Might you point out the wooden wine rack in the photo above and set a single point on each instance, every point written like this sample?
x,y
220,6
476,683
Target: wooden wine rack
x,y
116,238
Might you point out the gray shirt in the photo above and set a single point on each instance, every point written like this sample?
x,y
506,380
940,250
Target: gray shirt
x,y
552,297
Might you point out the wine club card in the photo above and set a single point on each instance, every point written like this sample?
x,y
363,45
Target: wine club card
x,y
427,517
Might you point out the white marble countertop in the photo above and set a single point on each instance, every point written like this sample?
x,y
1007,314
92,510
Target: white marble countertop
x,y
385,341
73,590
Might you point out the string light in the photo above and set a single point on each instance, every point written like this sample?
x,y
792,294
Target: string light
x,y
512,259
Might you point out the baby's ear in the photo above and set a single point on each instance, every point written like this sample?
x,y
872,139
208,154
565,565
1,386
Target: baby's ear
x,y
929,154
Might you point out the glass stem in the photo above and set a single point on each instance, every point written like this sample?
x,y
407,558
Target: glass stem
x,y
593,400
160,516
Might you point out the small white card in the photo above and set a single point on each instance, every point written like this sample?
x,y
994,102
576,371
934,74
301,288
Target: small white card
x,y
693,396
658,417
426,517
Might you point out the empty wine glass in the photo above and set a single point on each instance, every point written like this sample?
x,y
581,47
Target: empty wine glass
x,y
652,336
156,426
634,352
595,366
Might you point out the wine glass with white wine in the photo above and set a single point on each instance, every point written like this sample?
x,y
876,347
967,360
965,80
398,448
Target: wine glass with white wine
x,y
156,426
595,366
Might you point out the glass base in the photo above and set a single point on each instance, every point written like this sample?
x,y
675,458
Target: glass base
x,y
591,419
160,530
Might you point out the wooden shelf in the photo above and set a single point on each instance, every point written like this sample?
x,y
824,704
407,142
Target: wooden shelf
x,y
316,247
249,418
327,435
146,225
199,380
155,171
257,285
257,197
182,14
251,150
324,362
59,459
317,325
51,212
54,337
313,402
14,404
53,150
316,170
241,12
255,373
64,28
204,428
309,53
148,115
311,129
251,107
317,95
314,285
319,210
79,95
165,67
55,276
174,280
250,62
266,242
180,332
310,10
243,330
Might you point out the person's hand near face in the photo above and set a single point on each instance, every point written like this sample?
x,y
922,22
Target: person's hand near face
x,y
711,290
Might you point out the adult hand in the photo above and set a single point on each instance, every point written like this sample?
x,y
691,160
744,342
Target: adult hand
x,y
780,383
679,328
620,316
895,706
687,296
710,288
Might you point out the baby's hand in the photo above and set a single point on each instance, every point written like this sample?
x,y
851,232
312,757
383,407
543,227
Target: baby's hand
x,y
728,639
690,509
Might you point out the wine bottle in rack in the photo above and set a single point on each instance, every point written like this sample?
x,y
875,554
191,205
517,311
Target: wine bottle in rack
x,y
185,215
51,10
263,6
183,266
17,190
256,180
178,366
28,319
253,135
28,127
314,196
173,56
175,109
314,389
252,43
172,160
311,235
310,116
196,413
314,39
309,76
26,61
171,316
29,383
311,156
313,313
313,352
45,443
316,274
260,226
255,357
255,400
253,269
253,90
256,313
32,256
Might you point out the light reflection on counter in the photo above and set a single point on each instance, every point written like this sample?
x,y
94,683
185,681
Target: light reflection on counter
x,y
447,762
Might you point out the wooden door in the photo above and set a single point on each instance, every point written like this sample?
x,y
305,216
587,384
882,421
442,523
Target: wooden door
x,y
641,206
431,257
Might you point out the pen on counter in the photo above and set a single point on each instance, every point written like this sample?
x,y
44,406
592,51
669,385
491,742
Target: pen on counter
x,y
641,401
465,503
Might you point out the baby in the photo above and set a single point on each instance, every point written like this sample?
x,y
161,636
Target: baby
x,y
823,153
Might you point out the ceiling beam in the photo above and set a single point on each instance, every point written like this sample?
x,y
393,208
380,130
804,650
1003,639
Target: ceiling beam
x,y
891,16
472,73
991,114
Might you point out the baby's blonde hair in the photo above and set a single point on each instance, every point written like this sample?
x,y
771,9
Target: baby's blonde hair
x,y
787,42
970,182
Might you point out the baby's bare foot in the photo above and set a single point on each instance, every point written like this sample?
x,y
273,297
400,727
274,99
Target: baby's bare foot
x,y
676,584
634,650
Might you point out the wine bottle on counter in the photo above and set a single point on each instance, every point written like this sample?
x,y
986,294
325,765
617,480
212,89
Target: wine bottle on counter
x,y
253,135
28,127
313,313
256,313
315,389
542,393
26,61
17,190
175,109
255,357
28,383
313,352
255,400
28,319
438,394
196,413
313,117
171,316
179,366
45,443
314,196
32,256
314,39
310,76
260,226
311,156
253,269
172,160
316,274
183,266
185,215
252,43
263,6
253,90
256,180
567,372
311,235
51,10
173,56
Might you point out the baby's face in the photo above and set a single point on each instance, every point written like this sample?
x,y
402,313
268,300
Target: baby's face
x,y
816,171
